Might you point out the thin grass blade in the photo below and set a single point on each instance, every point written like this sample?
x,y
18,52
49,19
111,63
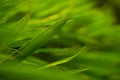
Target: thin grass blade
x,y
76,53
36,42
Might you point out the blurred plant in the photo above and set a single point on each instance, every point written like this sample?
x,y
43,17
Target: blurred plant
x,y
44,40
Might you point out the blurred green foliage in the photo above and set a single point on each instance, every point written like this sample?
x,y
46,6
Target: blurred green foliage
x,y
60,39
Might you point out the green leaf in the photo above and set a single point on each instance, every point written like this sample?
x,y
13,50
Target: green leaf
x,y
70,72
11,72
37,42
8,36
76,53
